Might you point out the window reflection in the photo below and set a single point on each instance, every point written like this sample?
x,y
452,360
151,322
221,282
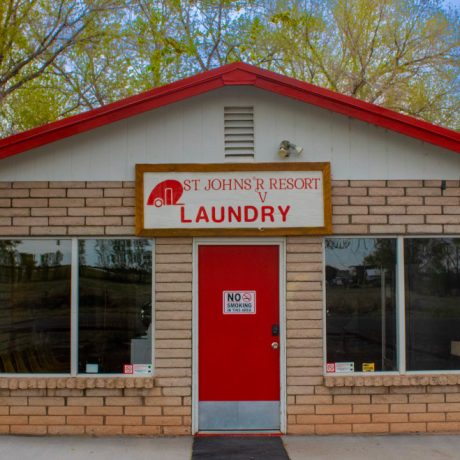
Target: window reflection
x,y
361,304
114,304
35,306
432,270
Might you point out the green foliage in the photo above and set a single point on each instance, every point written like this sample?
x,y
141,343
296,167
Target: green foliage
x,y
61,57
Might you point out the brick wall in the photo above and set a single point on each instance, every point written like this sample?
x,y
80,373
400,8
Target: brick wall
x,y
163,405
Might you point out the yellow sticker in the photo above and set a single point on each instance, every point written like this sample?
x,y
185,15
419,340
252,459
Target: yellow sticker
x,y
368,367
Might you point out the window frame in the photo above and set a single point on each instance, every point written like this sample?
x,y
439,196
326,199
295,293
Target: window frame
x,y
74,310
400,309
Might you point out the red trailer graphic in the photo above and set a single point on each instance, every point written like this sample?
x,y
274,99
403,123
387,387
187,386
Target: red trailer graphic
x,y
166,193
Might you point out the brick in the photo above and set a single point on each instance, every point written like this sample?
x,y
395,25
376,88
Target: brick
x,y
66,202
66,429
352,210
49,212
370,428
423,191
442,200
444,426
334,409
104,184
86,231
333,429
119,211
124,401
30,221
112,220
104,410
452,228
415,219
405,200
424,228
11,212
368,183
86,211
66,410
85,401
443,219
30,184
387,209
349,191
370,408
48,231
409,408
119,192
33,430
97,202
384,191
12,193
177,430
350,229
46,419
13,419
66,184
142,430
84,193
424,210
163,420
47,193
452,210
144,410
27,410
423,398
13,401
85,420
121,230
9,230
353,418
46,401
405,183
410,427
372,219
427,417
104,430
390,418
123,420
307,419
382,399
367,200
387,229
30,202
340,200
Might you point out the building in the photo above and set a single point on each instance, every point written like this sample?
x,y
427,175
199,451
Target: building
x,y
172,263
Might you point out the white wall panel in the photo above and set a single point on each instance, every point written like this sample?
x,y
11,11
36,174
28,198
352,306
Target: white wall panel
x,y
192,132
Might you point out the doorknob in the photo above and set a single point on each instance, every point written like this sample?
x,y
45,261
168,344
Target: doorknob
x,y
275,345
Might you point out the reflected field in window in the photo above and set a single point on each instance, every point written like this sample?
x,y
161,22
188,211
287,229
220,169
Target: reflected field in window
x,y
35,306
361,303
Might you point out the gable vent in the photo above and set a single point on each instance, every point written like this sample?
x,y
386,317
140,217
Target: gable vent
x,y
239,132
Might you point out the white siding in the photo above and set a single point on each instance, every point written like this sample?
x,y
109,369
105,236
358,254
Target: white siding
x,y
192,131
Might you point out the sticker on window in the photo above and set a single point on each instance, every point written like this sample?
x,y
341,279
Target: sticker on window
x,y
344,368
239,302
368,367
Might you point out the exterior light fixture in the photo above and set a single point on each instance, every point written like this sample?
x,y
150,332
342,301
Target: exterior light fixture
x,y
287,149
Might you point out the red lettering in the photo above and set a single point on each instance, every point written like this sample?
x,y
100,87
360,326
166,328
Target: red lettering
x,y
254,216
182,216
214,217
267,213
202,215
234,214
284,212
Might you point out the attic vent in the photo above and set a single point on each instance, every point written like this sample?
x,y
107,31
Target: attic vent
x,y
239,132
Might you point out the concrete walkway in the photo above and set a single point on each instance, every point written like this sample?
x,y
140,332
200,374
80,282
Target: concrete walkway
x,y
180,448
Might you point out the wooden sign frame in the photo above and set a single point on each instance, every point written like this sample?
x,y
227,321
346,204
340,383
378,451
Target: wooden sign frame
x,y
325,168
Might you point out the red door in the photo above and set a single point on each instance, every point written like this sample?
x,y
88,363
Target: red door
x,y
239,356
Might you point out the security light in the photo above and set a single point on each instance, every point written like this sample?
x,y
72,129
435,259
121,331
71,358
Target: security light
x,y
287,148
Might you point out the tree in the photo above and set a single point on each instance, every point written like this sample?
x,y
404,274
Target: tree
x,y
401,54
58,58
34,36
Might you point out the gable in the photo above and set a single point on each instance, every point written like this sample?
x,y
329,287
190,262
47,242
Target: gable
x,y
192,131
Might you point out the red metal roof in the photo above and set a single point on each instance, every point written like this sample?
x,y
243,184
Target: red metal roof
x,y
236,74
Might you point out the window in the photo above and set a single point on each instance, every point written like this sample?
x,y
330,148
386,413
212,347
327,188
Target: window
x,y
432,278
35,306
110,301
361,304
363,321
115,290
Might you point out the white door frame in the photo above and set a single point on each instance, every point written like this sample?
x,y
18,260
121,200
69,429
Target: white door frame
x,y
281,243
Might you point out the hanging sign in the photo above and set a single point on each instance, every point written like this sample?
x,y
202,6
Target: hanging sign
x,y
234,199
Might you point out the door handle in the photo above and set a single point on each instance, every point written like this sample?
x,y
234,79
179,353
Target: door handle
x,y
275,345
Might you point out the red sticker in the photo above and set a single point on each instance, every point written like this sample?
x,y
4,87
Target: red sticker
x,y
330,367
128,369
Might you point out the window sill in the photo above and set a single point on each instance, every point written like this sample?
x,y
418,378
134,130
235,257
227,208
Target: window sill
x,y
81,383
392,380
